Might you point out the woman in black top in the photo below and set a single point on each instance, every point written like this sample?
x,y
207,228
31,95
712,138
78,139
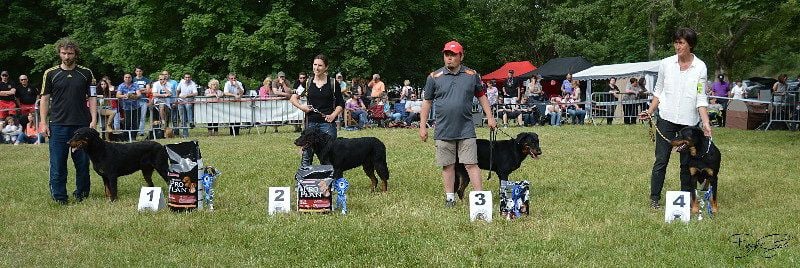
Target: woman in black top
x,y
324,103
614,90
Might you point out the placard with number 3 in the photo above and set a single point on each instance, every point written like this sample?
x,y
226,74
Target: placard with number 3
x,y
480,205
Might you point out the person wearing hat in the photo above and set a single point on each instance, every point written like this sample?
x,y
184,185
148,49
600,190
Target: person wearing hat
x,y
8,100
511,89
453,87
720,88
280,86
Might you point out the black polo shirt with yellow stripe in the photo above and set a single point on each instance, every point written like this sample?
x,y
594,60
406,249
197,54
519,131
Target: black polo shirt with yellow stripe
x,y
69,91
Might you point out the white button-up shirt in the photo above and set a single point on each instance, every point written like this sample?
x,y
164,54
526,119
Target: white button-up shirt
x,y
680,93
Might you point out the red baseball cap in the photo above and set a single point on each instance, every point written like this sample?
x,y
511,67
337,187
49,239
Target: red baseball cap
x,y
453,46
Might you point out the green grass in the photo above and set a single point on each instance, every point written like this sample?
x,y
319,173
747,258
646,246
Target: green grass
x,y
589,198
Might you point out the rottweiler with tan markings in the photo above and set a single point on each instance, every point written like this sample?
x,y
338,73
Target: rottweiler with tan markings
x,y
704,162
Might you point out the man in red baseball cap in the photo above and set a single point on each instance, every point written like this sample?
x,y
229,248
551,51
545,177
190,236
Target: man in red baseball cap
x,y
453,87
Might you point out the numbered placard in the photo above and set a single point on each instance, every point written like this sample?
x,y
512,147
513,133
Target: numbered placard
x,y
151,198
278,200
480,206
678,204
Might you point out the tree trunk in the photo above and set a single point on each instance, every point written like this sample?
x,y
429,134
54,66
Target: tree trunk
x,y
724,55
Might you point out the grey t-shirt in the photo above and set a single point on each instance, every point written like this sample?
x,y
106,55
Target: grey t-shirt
x,y
452,95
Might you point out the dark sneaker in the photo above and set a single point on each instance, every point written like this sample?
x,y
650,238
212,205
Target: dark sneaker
x,y
449,203
654,204
61,202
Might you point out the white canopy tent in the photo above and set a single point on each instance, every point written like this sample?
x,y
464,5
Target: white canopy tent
x,y
649,70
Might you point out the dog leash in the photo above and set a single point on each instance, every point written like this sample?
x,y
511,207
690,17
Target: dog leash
x,y
492,139
654,126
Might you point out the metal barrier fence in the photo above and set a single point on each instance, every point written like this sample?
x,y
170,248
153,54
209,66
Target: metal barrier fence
x,y
784,107
620,106
175,116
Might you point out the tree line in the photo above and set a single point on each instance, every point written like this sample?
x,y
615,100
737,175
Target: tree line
x,y
399,39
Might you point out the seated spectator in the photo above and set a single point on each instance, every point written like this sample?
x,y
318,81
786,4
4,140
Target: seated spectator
x,y
714,111
357,110
213,93
413,107
11,130
107,107
530,110
575,112
265,91
507,111
399,111
31,134
554,111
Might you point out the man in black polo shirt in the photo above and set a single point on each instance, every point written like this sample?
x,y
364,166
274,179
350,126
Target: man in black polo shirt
x,y
65,91
26,96
511,89
8,102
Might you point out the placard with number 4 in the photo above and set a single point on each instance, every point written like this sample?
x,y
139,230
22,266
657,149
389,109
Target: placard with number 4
x,y
677,206
278,200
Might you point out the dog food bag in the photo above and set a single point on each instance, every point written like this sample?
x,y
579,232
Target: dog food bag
x,y
184,190
314,188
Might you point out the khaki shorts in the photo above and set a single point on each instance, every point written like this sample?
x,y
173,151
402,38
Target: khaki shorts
x,y
446,152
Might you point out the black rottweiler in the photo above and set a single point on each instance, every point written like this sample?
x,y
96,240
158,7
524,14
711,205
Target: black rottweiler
x,y
704,162
508,156
345,154
112,160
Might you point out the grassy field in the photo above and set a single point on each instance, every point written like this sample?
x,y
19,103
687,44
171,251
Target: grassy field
x,y
589,199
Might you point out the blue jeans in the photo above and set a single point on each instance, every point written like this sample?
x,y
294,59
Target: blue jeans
x,y
308,153
186,114
361,116
142,116
555,119
22,138
577,116
59,135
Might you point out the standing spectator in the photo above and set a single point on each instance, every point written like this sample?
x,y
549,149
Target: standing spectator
x,y
8,92
26,96
324,104
453,87
213,94
511,89
265,91
681,102
378,88
406,91
576,90
161,99
342,84
613,91
779,88
357,110
31,134
566,85
629,101
300,86
492,94
738,91
68,86
721,88
280,86
187,90
534,91
131,96
233,88
143,86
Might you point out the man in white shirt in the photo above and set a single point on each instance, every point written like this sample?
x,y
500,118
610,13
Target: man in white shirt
x,y
161,98
413,107
233,88
681,100
187,90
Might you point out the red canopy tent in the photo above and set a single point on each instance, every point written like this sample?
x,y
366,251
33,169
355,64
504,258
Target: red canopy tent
x,y
519,67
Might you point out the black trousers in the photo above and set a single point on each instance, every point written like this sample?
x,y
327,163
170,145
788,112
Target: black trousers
x,y
663,150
